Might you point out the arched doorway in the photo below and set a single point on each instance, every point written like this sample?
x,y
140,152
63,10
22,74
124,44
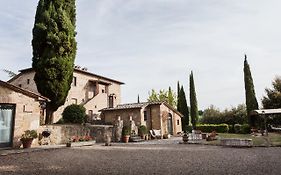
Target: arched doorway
x,y
170,123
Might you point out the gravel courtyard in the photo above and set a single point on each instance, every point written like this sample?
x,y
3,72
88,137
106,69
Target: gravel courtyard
x,y
156,157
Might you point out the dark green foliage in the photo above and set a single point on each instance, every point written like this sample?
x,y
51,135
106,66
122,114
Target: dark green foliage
x,y
138,98
142,130
188,129
183,108
54,50
193,102
272,100
231,129
251,101
74,114
126,130
245,129
237,128
220,128
235,115
242,129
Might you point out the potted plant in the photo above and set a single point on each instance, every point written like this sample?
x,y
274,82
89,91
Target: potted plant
x,y
126,131
28,137
142,131
185,137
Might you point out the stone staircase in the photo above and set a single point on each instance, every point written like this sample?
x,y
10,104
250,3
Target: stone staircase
x,y
136,138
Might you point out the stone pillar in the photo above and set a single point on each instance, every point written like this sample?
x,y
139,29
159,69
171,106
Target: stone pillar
x,y
134,128
117,130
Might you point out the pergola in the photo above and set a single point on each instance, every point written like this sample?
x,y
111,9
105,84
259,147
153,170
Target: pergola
x,y
265,113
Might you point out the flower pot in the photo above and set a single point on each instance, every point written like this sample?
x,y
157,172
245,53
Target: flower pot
x,y
26,143
185,138
126,138
68,144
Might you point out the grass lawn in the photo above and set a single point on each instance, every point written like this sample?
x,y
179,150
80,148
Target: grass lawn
x,y
273,139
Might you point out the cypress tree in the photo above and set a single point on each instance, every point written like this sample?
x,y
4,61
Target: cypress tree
x,y
178,96
251,101
54,51
184,109
193,102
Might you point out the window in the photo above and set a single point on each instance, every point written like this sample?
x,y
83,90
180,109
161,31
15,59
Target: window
x,y
111,101
28,81
20,85
178,122
74,101
90,113
145,115
103,91
74,81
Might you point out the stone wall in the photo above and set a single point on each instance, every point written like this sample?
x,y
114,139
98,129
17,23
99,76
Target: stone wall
x,y
61,133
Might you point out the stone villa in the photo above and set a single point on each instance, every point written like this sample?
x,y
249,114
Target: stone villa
x,y
93,91
22,107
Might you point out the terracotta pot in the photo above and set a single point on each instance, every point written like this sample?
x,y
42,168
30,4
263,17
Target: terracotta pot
x,y
68,144
185,138
26,143
126,138
142,136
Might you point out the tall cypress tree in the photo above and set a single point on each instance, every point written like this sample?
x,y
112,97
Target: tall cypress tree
x,y
54,51
178,96
184,109
251,101
193,102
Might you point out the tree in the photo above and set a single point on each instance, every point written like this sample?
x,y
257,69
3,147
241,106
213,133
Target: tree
x,y
163,96
54,50
272,100
183,109
138,98
10,73
171,98
193,102
251,101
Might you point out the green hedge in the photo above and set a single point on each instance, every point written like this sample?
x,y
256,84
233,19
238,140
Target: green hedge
x,y
220,128
74,114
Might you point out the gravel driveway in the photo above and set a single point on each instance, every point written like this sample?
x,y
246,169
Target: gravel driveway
x,y
156,157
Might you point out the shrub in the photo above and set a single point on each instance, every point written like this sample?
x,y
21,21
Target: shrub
x,y
74,114
237,128
220,128
245,129
126,130
231,129
188,129
29,134
142,130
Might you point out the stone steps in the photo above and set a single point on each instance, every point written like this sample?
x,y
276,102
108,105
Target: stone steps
x,y
136,139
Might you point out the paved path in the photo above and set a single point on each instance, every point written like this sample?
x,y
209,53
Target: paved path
x,y
154,157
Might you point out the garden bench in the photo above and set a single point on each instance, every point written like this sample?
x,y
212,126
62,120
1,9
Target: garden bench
x,y
195,136
236,142
155,133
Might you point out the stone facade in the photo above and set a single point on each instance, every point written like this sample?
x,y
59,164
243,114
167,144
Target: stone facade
x,y
159,116
93,91
27,110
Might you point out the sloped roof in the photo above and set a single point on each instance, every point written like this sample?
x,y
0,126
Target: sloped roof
x,y
266,111
75,70
23,91
140,105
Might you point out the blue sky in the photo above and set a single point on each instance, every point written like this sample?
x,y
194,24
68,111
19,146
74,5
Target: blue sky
x,y
154,43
